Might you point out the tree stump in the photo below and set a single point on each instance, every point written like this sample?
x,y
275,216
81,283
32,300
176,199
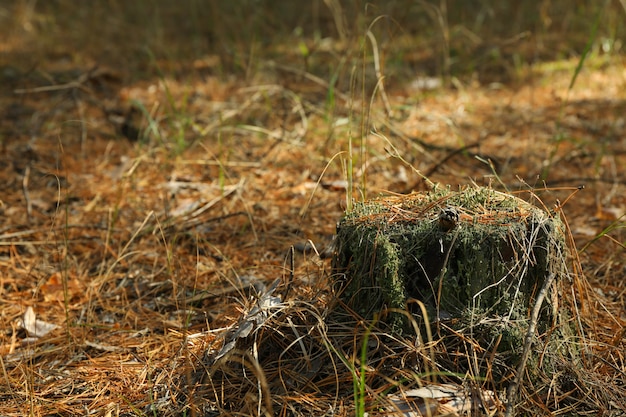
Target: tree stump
x,y
475,259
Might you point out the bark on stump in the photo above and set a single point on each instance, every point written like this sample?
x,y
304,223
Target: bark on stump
x,y
480,271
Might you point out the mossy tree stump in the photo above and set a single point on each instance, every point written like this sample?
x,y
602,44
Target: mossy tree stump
x,y
487,264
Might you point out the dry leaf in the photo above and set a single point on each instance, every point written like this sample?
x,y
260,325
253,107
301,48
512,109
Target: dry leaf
x,y
53,289
442,399
33,326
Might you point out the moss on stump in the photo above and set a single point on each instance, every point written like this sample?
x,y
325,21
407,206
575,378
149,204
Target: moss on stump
x,y
473,253
470,265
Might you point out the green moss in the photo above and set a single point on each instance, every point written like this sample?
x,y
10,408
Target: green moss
x,y
494,261
480,277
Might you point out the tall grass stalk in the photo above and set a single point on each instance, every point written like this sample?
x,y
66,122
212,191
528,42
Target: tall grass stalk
x,y
359,380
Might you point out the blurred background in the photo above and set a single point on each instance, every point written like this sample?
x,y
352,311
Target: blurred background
x,y
493,40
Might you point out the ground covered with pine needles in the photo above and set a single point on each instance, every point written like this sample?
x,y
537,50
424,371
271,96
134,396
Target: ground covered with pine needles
x,y
150,212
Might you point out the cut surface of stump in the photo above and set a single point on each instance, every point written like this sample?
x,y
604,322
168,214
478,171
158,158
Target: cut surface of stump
x,y
475,252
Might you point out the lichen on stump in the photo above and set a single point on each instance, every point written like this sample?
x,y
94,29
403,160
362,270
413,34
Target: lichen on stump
x,y
490,261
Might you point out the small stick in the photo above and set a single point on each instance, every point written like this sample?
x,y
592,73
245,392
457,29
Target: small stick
x,y
77,83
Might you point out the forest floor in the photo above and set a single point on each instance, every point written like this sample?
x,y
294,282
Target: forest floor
x,y
141,215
